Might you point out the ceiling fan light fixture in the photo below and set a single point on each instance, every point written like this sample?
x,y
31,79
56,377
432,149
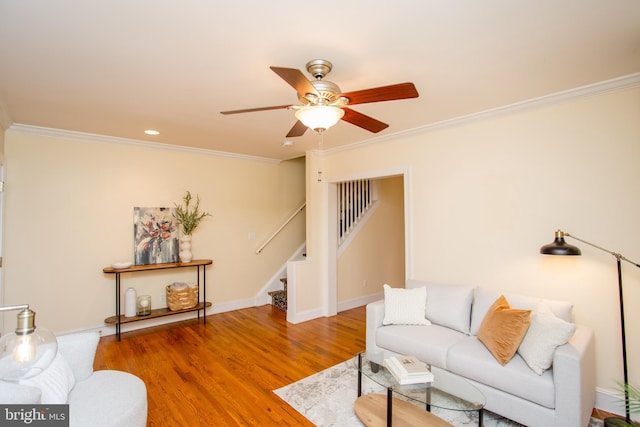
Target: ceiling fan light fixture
x,y
319,117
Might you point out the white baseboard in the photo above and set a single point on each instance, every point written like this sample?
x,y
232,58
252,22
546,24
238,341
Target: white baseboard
x,y
611,401
296,318
359,302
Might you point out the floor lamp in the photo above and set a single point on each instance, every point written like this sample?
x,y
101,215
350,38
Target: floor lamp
x,y
560,247
27,351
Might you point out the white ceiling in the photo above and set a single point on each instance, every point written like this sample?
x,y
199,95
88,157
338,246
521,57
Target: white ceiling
x,y
119,67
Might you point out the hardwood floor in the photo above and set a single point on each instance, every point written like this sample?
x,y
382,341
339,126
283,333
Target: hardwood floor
x,y
223,373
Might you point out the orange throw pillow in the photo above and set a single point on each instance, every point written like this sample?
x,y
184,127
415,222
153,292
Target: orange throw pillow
x,y
503,329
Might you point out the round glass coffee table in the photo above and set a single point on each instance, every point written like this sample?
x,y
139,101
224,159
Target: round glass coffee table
x,y
448,392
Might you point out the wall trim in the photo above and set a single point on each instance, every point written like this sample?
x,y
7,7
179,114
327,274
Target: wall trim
x,y
616,84
104,139
611,85
612,402
359,302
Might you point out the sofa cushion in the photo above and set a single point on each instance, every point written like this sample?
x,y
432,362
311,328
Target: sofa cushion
x,y
430,343
471,359
503,329
447,305
484,298
546,333
405,306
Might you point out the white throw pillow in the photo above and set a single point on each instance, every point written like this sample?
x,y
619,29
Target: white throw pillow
x,y
405,306
450,306
546,333
55,382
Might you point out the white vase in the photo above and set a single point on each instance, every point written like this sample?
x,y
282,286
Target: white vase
x,y
185,249
130,298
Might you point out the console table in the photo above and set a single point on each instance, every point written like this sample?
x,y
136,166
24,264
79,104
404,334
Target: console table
x,y
119,318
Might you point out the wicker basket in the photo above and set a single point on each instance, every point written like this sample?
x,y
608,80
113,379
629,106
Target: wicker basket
x,y
182,298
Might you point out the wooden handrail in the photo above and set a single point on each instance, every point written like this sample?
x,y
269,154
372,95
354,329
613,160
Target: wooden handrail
x,y
275,233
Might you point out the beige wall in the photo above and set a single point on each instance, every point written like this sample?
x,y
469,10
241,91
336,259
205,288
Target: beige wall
x,y
69,213
376,255
486,194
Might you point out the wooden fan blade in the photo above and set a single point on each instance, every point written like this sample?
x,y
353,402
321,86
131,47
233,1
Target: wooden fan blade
x,y
363,121
296,79
297,130
251,110
383,93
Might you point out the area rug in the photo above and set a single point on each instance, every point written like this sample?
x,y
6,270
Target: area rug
x,y
326,399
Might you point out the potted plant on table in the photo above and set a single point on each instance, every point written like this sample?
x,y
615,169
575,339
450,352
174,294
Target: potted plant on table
x,y
188,218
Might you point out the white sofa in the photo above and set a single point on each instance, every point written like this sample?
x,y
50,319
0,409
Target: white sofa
x,y
104,398
562,396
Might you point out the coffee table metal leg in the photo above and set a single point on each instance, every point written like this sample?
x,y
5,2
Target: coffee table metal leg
x,y
480,412
428,399
359,374
389,406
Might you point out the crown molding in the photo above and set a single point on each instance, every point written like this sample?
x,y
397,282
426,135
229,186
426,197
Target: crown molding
x,y
613,85
104,139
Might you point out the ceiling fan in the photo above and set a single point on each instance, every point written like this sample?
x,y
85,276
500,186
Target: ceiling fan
x,y
323,103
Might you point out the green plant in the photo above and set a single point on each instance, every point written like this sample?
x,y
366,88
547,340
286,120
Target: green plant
x,y
633,406
189,218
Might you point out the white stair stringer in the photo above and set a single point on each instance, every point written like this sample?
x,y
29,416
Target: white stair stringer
x,y
274,283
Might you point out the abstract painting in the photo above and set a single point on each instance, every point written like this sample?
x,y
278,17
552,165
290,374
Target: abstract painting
x,y
155,232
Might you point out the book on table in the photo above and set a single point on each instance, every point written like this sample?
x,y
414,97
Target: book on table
x,y
408,370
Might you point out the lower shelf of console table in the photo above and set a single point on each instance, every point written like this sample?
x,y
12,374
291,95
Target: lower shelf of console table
x,y
159,312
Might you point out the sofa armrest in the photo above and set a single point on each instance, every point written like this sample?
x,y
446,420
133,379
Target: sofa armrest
x,y
375,316
574,376
79,351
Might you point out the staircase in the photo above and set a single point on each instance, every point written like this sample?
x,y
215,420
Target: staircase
x,y
279,297
355,198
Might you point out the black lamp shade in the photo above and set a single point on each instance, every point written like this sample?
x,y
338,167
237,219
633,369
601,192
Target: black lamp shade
x,y
560,247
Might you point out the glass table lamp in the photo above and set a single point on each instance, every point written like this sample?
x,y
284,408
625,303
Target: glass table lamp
x,y
29,350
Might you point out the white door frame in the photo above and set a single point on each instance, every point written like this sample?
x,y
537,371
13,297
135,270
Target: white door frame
x,y
331,297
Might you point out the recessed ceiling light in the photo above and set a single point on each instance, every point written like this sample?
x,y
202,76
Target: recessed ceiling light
x,y
151,132
287,144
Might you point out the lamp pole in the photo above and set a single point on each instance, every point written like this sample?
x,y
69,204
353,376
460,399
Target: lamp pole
x,y
559,247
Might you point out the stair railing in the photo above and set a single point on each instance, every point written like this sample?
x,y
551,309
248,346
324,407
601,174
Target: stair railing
x,y
354,199
284,224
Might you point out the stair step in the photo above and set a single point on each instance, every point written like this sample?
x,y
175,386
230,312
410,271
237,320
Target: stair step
x,y
279,297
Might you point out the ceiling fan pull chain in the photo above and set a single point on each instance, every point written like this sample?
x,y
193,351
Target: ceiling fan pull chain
x,y
320,140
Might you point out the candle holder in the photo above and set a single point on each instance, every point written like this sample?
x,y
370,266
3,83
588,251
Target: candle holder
x,y
144,305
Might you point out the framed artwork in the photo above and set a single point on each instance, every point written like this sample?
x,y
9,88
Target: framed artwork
x,y
155,235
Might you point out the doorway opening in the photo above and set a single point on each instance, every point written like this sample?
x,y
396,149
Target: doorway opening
x,y
379,254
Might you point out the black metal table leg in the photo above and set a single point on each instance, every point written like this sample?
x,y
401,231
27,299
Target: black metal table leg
x,y
118,322
389,406
428,399
359,374
198,282
204,292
